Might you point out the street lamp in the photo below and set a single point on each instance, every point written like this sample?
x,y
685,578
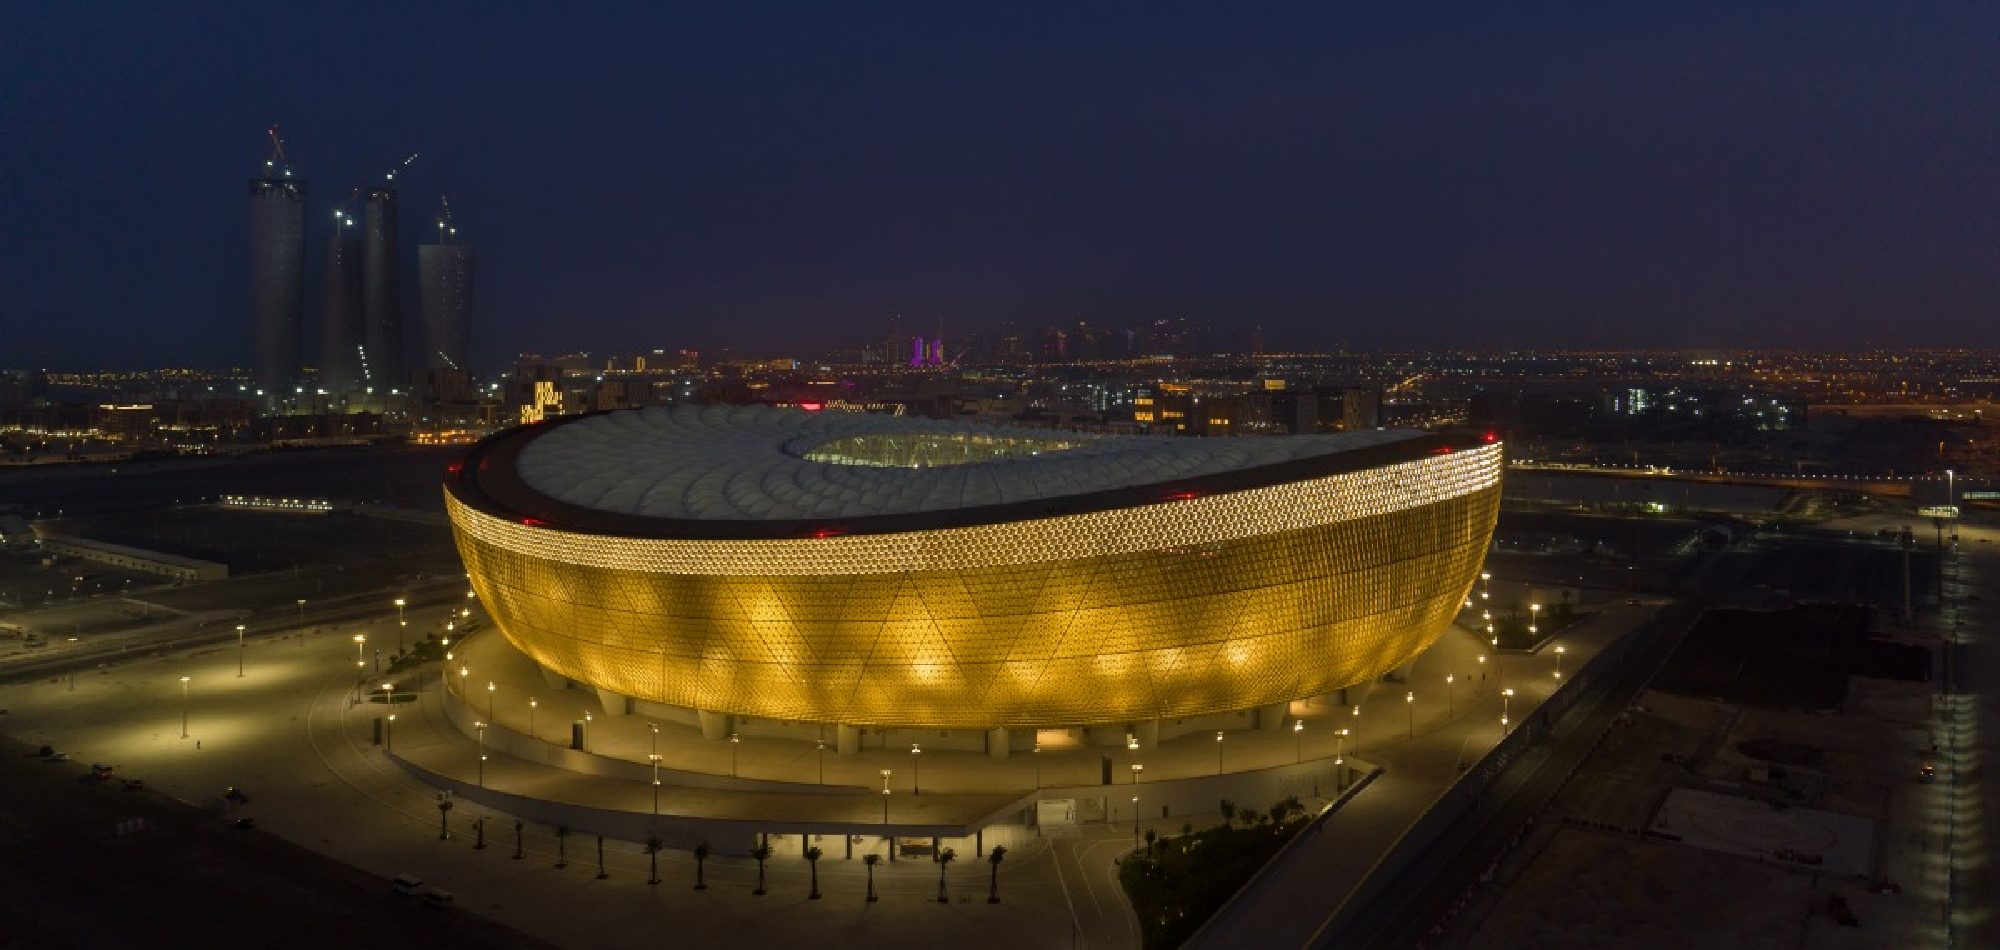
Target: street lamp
x,y
1450,695
1482,673
1339,746
1560,650
1298,741
531,715
239,651
916,757
1534,617
388,695
184,706
819,746
1485,586
885,806
1410,700
1506,704
1218,752
734,741
389,734
481,727
400,624
1135,821
1136,769
490,691
360,640
655,757
1037,755
302,620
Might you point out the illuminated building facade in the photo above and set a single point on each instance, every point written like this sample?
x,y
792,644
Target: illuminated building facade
x,y
876,571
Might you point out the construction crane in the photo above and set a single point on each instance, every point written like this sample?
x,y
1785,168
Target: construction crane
x,y
405,163
446,229
343,216
277,162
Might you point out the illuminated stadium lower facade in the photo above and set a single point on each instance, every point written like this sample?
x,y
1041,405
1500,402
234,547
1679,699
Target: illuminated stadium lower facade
x,y
870,572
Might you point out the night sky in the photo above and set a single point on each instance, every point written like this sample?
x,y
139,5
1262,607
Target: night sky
x,y
778,178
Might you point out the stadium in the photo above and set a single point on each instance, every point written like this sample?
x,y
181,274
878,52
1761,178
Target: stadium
x,y
727,565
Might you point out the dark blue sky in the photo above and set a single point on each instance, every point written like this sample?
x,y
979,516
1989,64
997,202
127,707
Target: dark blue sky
x,y
775,177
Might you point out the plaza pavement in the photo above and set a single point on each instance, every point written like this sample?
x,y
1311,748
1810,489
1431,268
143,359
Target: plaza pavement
x,y
290,733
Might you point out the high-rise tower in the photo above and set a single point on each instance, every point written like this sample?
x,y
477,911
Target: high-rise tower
x,y
343,333
444,280
277,270
381,288
382,283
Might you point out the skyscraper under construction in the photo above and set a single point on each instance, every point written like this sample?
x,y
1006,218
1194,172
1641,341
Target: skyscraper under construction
x,y
382,287
343,334
444,280
277,270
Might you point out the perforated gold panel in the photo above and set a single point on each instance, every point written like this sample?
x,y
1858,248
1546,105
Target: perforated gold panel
x,y
1174,609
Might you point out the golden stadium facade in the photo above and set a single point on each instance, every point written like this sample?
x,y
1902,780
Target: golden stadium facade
x,y
880,571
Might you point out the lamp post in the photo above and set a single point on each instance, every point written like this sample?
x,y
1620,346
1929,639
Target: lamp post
x,y
1482,675
302,621
916,760
819,747
1450,695
389,734
1410,700
388,695
239,651
1135,821
1037,755
885,811
1560,650
1218,752
360,640
656,783
490,690
1534,618
1485,585
400,624
1506,705
531,715
1136,769
481,727
734,741
1298,741
184,706
1339,746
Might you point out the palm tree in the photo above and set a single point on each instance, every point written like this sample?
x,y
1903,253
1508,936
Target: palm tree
x,y
762,853
700,859
998,854
1228,809
653,846
871,860
1151,836
562,846
812,861
944,859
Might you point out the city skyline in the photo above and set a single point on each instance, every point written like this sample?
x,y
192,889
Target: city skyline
x,y
1569,175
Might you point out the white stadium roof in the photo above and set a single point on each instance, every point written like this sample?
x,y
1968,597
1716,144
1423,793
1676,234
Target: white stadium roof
x,y
742,463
